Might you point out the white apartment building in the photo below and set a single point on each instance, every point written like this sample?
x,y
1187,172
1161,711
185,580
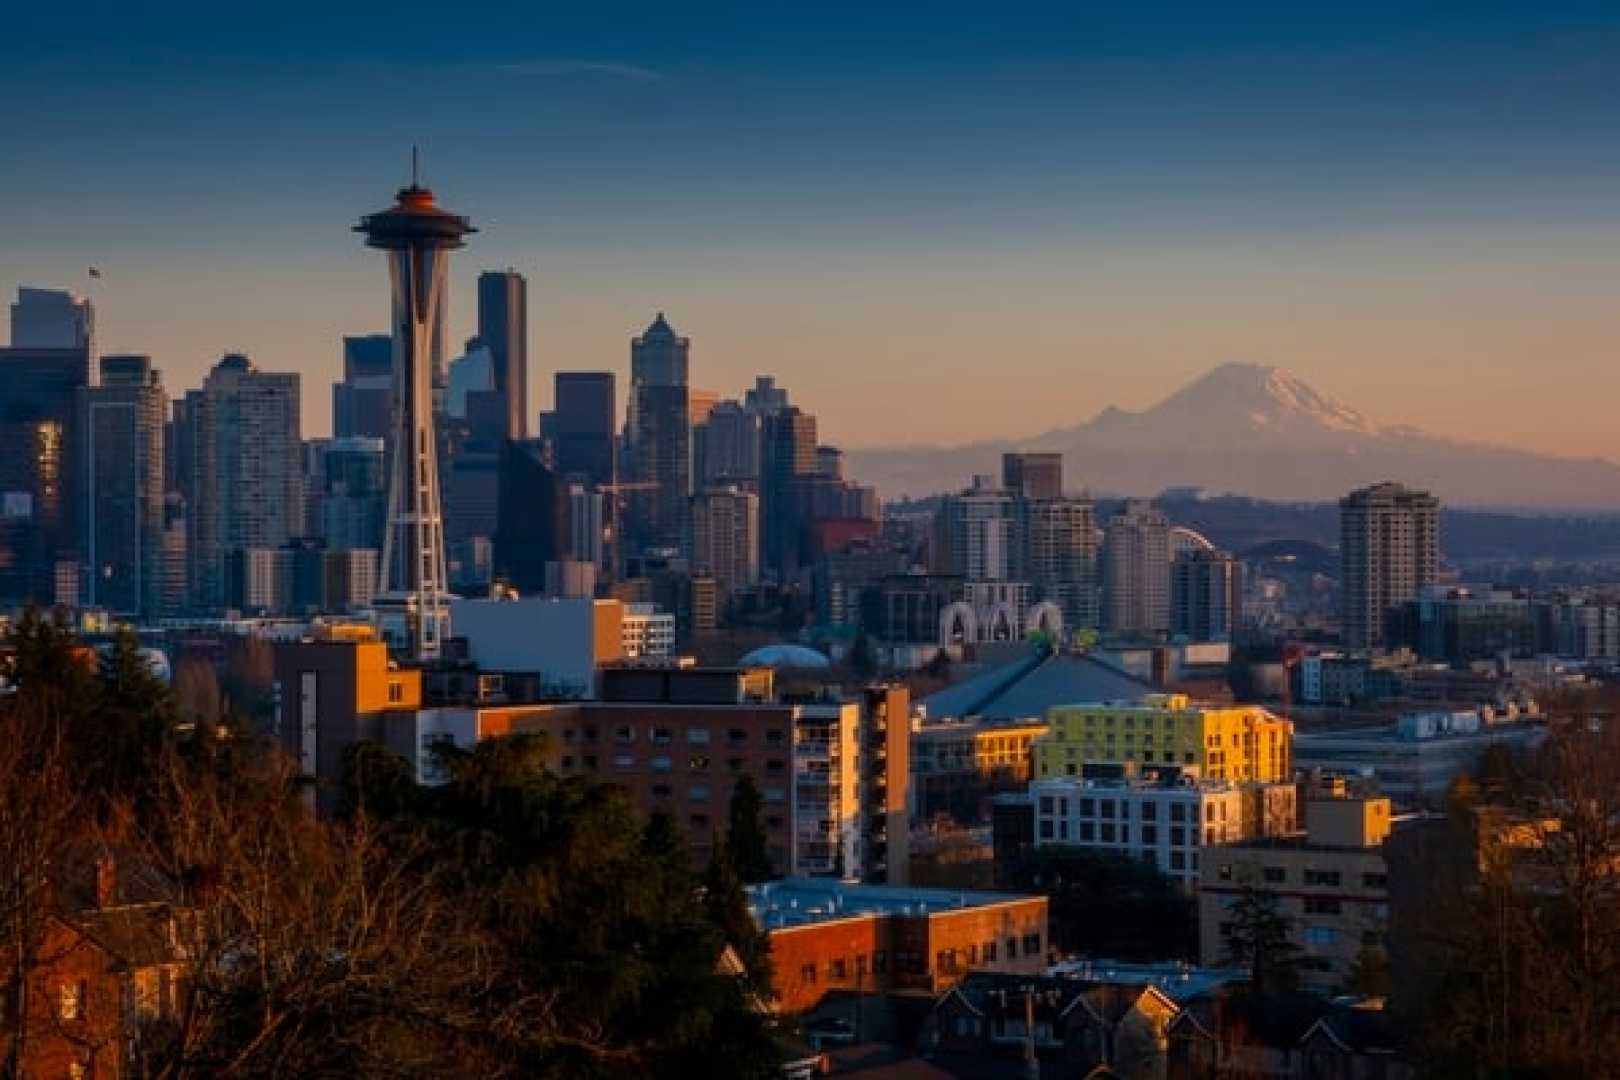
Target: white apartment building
x,y
649,634
1166,824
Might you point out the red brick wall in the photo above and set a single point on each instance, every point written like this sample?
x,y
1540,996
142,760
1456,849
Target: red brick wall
x,y
902,952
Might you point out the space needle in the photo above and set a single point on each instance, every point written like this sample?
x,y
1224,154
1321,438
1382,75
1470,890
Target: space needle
x,y
412,605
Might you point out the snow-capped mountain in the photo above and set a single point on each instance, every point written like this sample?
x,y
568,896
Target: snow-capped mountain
x,y
1258,430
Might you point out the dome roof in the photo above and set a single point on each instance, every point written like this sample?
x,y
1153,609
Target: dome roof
x,y
785,656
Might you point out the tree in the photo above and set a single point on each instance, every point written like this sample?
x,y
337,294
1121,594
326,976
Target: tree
x,y
727,904
1260,938
745,833
1106,905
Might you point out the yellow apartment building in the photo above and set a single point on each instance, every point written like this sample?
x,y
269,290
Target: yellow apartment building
x,y
1239,743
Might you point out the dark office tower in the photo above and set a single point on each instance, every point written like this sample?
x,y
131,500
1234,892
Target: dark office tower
x,y
1032,476
354,500
52,319
503,329
121,457
39,472
660,357
725,448
533,528
1206,595
247,491
582,426
766,397
1390,544
787,461
361,403
658,437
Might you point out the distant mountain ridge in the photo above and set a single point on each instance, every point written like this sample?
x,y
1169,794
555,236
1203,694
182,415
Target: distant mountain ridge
x,y
1255,430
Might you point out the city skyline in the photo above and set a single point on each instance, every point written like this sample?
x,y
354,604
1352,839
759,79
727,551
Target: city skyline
x,y
1091,202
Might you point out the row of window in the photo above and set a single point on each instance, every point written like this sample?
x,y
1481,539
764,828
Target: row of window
x,y
1278,875
1108,809
660,735
1108,832
946,961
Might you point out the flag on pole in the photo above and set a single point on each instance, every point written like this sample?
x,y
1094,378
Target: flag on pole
x,y
94,272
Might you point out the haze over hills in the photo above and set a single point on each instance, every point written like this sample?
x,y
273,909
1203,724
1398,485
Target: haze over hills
x,y
1256,430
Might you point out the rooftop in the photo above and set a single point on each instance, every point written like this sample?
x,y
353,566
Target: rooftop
x,y
1176,981
1026,688
790,902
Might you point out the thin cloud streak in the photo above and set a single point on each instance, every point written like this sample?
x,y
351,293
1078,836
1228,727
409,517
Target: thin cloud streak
x,y
554,68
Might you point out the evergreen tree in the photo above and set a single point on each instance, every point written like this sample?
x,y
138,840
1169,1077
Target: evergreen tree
x,y
727,904
745,834
1261,940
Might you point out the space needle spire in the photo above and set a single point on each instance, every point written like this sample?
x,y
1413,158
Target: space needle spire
x,y
412,603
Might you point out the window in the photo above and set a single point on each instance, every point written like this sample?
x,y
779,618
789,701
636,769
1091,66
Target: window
x,y
1046,804
1178,836
660,763
1032,944
697,736
661,791
396,693
989,952
838,969
807,974
1150,834
1108,832
1178,860
1012,948
775,765
698,762
590,761
1321,877
698,793
1275,875
624,761
1224,872
700,821
589,734
737,735
624,733
1046,828
1124,834
1107,807
1178,812
1209,812
568,761
1088,832
775,821
775,794
775,737
70,999
967,1026
1321,905
1321,935
1375,881
1209,837
1150,811
1088,807
662,736
735,764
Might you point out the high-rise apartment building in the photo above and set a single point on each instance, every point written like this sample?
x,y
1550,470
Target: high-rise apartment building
x,y
503,329
248,482
1390,547
725,449
1206,595
658,437
121,456
362,402
1032,476
976,534
1136,572
1060,555
787,459
725,538
583,437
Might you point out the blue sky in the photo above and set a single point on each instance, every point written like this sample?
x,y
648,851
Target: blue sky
x,y
1411,205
